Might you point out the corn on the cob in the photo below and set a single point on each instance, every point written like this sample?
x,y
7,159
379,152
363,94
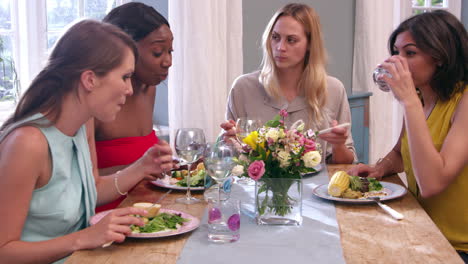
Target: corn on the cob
x,y
338,183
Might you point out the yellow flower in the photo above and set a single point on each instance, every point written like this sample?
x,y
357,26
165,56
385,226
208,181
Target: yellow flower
x,y
251,140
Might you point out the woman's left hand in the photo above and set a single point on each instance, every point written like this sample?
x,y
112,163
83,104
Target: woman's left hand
x,y
337,136
401,83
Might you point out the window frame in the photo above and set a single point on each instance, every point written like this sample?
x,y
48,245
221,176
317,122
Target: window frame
x,y
30,52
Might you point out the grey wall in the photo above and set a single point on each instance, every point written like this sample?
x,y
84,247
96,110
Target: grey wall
x,y
464,13
336,17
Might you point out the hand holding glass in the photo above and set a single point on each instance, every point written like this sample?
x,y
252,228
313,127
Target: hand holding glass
x,y
189,146
377,74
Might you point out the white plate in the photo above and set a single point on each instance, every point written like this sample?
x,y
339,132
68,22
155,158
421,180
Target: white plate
x,y
317,168
186,227
394,191
160,183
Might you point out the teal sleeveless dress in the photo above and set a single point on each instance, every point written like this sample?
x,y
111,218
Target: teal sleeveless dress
x,y
67,202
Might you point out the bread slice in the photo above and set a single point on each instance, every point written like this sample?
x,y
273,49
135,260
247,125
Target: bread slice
x,y
152,209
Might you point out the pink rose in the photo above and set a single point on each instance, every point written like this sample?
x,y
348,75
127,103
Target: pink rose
x,y
283,113
256,169
309,145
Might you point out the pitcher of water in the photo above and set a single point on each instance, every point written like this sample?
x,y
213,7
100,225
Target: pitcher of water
x,y
379,72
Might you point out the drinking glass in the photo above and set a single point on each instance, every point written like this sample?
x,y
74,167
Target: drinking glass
x,y
189,146
224,221
245,126
219,161
377,74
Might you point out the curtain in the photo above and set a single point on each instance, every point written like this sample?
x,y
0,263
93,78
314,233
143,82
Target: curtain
x,y
373,26
207,58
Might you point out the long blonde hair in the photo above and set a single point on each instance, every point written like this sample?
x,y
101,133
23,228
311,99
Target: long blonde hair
x,y
313,81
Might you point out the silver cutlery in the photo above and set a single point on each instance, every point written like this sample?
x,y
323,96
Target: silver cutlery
x,y
395,214
331,128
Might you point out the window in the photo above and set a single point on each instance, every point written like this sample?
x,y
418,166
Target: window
x,y
60,13
39,23
421,6
8,75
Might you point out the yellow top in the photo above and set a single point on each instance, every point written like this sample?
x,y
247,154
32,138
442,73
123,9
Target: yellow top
x,y
449,209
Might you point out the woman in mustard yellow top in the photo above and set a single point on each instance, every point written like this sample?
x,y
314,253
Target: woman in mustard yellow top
x,y
430,55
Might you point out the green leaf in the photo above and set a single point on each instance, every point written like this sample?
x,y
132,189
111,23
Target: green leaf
x,y
274,122
374,184
355,183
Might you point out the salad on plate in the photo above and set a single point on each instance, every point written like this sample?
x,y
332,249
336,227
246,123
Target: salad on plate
x,y
179,177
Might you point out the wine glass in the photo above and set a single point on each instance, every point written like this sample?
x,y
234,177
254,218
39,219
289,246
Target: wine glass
x,y
245,126
189,146
219,161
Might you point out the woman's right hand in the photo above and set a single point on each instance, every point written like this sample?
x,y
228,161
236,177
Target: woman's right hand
x,y
364,170
157,160
229,130
113,227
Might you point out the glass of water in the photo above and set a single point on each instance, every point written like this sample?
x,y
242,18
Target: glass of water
x,y
224,221
378,73
189,146
219,161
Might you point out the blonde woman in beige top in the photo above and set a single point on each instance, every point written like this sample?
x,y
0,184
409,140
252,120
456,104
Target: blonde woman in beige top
x,y
293,77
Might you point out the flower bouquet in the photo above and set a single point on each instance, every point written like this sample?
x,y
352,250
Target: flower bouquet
x,y
276,158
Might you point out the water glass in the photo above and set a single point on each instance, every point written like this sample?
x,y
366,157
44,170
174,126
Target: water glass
x,y
211,189
189,146
224,221
378,73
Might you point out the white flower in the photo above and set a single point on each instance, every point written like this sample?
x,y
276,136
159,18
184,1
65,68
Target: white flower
x,y
298,125
310,133
238,170
273,134
312,159
281,133
243,157
284,158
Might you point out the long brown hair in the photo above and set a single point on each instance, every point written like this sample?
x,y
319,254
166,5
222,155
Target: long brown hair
x,y
87,45
313,82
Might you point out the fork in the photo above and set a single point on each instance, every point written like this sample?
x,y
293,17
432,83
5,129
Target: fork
x,y
388,209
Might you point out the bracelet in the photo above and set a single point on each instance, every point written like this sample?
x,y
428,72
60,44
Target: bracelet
x,y
116,184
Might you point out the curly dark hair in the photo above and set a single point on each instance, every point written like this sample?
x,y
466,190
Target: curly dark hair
x,y
443,36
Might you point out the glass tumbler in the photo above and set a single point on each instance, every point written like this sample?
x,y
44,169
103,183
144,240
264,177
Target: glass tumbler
x,y
379,72
224,221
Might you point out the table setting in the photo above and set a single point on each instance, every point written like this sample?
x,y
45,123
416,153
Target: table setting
x,y
288,214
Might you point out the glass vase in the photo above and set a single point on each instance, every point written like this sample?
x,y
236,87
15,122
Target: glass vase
x,y
278,201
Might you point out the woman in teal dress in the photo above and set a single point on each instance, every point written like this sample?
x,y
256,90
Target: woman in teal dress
x,y
48,183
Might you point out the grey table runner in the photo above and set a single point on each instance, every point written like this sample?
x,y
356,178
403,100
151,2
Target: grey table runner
x,y
317,240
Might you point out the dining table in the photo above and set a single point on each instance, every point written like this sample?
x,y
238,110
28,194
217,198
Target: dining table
x,y
358,233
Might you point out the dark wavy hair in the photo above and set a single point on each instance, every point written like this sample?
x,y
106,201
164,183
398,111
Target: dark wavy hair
x,y
441,35
136,19
87,45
